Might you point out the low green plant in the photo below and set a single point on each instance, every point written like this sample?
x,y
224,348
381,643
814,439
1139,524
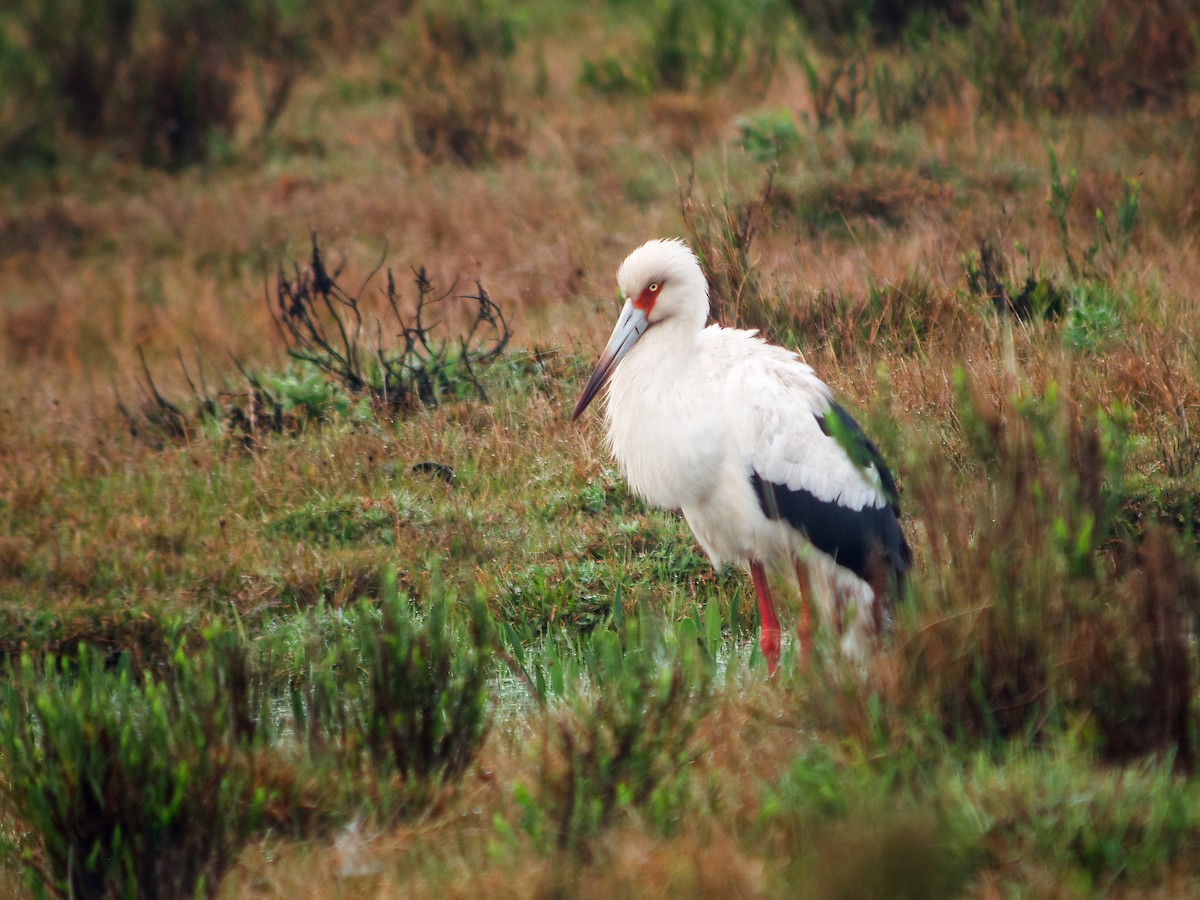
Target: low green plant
x,y
841,95
575,594
306,392
1101,827
623,736
1112,244
337,523
854,828
401,691
769,134
133,784
1109,246
425,683
1094,316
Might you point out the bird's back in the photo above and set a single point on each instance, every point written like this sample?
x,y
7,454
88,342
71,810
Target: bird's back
x,y
808,462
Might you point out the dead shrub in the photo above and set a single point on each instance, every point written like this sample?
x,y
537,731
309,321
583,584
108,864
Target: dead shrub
x,y
346,365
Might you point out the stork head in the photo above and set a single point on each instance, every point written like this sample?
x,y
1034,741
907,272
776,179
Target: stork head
x,y
662,283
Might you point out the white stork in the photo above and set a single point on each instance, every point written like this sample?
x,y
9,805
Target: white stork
x,y
745,440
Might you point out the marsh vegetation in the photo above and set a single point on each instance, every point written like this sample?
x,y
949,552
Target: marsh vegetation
x,y
295,300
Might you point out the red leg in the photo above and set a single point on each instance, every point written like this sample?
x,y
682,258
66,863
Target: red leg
x,y
768,623
804,625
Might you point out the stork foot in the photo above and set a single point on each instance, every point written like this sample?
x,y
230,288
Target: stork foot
x,y
768,634
768,643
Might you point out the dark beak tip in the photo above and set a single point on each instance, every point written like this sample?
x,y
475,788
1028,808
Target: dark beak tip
x,y
590,390
583,404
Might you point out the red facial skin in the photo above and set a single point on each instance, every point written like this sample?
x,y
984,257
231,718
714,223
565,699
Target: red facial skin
x,y
645,300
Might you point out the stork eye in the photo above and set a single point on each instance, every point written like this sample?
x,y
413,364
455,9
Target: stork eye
x,y
653,288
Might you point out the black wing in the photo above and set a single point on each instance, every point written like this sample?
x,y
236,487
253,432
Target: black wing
x,y
867,541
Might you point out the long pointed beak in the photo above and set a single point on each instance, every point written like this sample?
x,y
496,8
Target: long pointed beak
x,y
631,325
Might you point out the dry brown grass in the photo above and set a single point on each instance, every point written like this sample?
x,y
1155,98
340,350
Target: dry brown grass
x,y
858,257
541,230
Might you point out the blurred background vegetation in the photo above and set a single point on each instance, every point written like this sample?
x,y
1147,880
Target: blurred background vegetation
x,y
309,588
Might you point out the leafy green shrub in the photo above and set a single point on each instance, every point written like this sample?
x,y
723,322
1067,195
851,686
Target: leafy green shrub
x,y
305,392
623,737
1070,611
133,788
401,691
768,134
855,829
1094,317
1099,828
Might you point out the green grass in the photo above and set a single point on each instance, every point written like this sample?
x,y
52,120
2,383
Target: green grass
x,y
408,632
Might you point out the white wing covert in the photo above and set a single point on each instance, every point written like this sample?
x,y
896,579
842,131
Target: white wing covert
x,y
784,440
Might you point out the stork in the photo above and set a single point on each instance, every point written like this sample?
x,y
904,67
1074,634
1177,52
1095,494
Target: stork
x,y
743,438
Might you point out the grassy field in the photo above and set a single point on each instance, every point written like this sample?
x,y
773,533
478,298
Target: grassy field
x,y
294,607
